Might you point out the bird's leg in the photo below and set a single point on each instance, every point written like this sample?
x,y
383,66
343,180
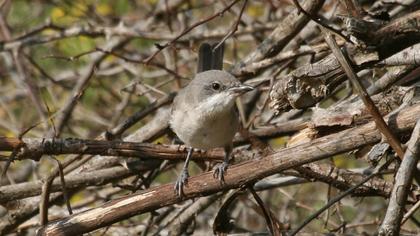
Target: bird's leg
x,y
220,170
183,177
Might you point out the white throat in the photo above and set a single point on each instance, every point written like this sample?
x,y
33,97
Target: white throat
x,y
217,103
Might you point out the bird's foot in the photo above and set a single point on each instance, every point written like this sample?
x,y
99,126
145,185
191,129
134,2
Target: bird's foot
x,y
219,172
180,182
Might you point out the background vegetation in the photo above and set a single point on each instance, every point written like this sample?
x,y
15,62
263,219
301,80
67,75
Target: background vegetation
x,y
81,69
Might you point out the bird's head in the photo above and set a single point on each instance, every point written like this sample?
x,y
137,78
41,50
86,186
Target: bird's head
x,y
216,89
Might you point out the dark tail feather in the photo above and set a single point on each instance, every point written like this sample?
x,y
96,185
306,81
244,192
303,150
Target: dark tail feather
x,y
210,59
204,58
217,56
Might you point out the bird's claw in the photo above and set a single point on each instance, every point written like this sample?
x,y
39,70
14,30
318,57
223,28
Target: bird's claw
x,y
219,172
180,182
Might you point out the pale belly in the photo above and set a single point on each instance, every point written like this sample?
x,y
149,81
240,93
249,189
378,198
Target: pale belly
x,y
206,132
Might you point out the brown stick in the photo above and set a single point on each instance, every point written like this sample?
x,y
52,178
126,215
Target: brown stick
x,y
35,148
370,105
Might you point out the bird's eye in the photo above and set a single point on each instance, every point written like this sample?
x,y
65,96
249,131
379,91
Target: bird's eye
x,y
215,85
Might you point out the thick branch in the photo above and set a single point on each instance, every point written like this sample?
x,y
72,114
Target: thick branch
x,y
237,176
395,211
34,148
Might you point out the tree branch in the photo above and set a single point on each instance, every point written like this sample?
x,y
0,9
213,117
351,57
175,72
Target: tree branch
x,y
237,176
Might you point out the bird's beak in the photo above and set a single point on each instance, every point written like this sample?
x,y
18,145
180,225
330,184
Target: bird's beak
x,y
241,88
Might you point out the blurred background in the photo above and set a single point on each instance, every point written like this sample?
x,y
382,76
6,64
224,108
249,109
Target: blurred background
x,y
76,69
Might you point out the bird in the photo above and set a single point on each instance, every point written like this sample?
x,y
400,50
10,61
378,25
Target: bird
x,y
204,115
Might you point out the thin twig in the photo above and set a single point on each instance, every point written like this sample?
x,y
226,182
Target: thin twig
x,y
63,185
340,196
46,188
410,212
188,29
132,60
267,214
234,28
318,20
123,126
45,196
82,84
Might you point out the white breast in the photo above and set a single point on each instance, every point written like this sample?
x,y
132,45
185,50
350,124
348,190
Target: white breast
x,y
207,126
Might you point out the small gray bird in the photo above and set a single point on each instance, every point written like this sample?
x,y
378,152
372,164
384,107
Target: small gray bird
x,y
204,116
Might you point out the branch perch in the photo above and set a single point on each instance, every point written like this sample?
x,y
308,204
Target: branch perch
x,y
237,176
